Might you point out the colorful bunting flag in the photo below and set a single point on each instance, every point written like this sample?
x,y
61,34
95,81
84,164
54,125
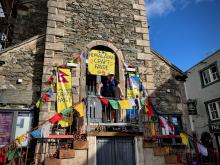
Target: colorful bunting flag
x,y
153,129
105,101
143,102
132,102
80,108
66,111
36,133
149,110
124,104
3,157
13,154
45,97
202,149
38,104
46,130
20,139
77,60
57,117
185,138
114,104
165,124
50,92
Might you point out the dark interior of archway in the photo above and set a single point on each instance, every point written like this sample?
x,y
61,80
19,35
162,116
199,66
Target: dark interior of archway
x,y
91,80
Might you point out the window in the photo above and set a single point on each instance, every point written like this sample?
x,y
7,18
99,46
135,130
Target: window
x,y
214,110
210,75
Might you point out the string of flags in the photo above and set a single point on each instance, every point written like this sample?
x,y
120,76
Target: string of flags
x,y
169,128
10,151
51,80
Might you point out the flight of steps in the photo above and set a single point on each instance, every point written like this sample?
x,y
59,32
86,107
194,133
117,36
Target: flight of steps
x,y
155,155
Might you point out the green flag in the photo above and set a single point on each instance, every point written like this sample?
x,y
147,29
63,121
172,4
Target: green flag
x,y
66,111
143,101
114,104
13,154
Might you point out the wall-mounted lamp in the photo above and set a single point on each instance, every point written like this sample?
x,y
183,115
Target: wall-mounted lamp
x,y
19,81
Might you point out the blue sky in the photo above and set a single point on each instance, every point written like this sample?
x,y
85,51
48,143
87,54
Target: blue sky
x,y
184,31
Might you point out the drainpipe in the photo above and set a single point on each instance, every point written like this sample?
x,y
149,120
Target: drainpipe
x,y
190,116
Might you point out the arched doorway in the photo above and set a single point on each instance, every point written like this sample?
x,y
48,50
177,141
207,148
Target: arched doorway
x,y
89,87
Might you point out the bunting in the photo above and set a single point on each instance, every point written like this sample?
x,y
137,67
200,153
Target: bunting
x,y
184,138
80,109
124,104
114,104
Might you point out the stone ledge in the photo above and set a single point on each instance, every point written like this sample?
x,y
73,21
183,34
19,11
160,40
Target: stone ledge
x,y
51,23
147,50
140,18
55,46
146,37
138,7
49,53
57,60
58,18
55,31
52,10
144,56
142,42
61,5
141,30
50,38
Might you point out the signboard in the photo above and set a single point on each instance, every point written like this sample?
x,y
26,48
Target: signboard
x,y
24,123
101,62
64,93
6,119
215,128
192,107
133,85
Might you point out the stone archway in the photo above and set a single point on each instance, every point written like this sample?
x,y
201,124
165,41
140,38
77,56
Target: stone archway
x,y
116,51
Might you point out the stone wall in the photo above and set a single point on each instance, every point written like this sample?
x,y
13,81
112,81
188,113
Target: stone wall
x,y
23,61
74,24
30,20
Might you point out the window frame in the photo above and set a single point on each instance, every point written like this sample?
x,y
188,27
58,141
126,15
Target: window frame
x,y
210,75
217,104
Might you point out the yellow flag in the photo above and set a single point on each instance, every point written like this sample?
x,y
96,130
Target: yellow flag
x,y
185,139
64,93
20,139
153,129
124,104
80,108
38,103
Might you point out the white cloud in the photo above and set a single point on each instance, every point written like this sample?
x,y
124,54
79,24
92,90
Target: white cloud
x,y
159,7
163,7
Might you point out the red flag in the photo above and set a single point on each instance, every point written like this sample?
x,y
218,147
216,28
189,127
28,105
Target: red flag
x,y
104,101
57,117
150,111
45,97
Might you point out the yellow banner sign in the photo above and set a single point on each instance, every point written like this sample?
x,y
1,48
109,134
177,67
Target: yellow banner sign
x,y
64,93
101,62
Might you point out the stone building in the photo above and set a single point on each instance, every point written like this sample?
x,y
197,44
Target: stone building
x,y
203,86
46,33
